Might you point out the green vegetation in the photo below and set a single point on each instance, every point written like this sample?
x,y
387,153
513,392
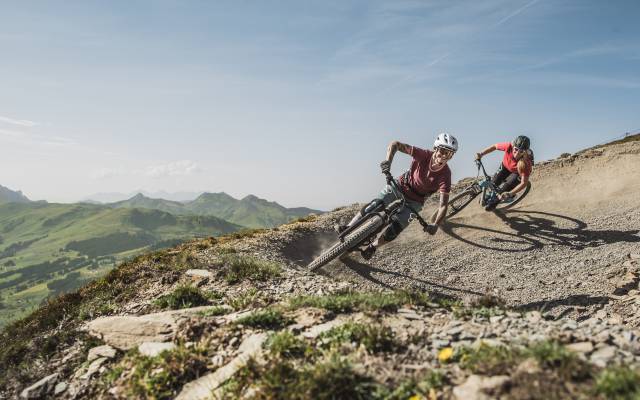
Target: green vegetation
x,y
214,311
347,302
48,249
182,297
332,378
250,297
237,268
375,338
619,383
251,211
422,387
269,318
285,344
159,377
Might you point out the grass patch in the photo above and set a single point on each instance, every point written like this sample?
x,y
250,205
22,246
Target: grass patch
x,y
375,338
160,377
417,388
214,312
286,344
497,360
182,297
238,268
618,383
348,302
269,318
250,297
333,378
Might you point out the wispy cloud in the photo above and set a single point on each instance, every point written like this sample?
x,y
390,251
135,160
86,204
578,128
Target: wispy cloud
x,y
176,168
19,122
170,169
516,12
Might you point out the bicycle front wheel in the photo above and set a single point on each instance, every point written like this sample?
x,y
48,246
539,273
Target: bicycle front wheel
x,y
368,228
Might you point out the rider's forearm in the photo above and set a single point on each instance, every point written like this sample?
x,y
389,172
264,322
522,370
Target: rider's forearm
x,y
487,150
442,210
518,188
394,147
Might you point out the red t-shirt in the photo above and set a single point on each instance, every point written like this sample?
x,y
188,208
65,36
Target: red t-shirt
x,y
422,178
509,160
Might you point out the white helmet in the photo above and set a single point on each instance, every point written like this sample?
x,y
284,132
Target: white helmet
x,y
446,141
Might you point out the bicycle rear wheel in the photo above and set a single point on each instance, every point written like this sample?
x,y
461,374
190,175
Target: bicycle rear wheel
x,y
368,228
460,201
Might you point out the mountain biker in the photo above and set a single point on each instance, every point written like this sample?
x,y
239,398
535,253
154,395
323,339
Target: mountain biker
x,y
514,170
427,174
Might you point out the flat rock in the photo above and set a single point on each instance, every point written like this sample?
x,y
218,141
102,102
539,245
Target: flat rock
x,y
60,388
41,388
603,355
101,351
152,349
199,273
127,332
580,347
478,387
317,330
205,387
94,367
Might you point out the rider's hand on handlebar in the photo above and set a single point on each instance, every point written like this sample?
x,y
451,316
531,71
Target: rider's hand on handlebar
x,y
478,156
385,166
431,229
505,196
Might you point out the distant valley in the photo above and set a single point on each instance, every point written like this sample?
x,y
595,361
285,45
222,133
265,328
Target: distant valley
x,y
49,248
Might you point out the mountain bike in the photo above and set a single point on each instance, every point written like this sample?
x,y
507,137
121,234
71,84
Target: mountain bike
x,y
375,217
482,185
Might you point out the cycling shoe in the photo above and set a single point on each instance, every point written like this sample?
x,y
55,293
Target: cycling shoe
x,y
368,252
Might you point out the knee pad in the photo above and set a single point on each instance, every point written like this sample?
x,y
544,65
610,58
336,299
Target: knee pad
x,y
392,230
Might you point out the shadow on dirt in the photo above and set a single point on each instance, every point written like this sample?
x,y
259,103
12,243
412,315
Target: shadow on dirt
x,y
536,229
367,271
579,300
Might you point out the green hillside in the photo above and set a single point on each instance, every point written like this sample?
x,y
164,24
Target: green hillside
x,y
251,211
46,249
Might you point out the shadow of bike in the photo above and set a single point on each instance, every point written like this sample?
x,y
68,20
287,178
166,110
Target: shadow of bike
x,y
536,229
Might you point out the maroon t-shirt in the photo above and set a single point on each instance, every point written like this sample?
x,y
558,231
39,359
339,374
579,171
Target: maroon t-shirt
x,y
422,179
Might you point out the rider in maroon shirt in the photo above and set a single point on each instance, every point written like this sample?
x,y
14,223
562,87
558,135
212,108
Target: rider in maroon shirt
x,y
427,174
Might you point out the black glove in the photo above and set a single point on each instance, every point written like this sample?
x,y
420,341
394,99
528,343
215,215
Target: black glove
x,y
431,229
385,166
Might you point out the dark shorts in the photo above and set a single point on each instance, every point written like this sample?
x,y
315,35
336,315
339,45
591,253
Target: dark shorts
x,y
505,179
402,219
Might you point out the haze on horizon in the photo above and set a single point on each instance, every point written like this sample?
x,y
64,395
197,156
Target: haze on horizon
x,y
296,102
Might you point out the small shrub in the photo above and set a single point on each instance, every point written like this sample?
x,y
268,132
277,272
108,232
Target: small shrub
x,y
422,388
182,297
162,376
347,302
286,344
250,297
333,378
214,312
553,355
265,319
374,338
618,383
490,360
239,268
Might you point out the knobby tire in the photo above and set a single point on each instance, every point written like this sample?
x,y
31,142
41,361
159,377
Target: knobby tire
x,y
460,201
368,228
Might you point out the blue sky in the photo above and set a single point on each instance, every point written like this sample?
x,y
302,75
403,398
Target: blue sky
x,y
296,101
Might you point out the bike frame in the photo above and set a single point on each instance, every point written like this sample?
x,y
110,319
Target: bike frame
x,y
486,185
377,207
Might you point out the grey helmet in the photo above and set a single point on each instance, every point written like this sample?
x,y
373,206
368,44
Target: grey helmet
x,y
522,142
446,141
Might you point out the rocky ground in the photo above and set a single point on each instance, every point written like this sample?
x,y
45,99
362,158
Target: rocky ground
x,y
540,301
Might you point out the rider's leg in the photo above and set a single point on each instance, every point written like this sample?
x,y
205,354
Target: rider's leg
x,y
498,178
400,221
512,181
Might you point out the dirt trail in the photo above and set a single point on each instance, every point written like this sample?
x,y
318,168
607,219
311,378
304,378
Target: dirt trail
x,y
560,250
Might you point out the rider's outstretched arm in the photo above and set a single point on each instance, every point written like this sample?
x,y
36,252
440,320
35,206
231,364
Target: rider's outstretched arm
x,y
394,147
442,210
485,151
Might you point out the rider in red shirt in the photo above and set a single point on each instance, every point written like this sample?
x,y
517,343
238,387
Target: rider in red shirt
x,y
515,169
